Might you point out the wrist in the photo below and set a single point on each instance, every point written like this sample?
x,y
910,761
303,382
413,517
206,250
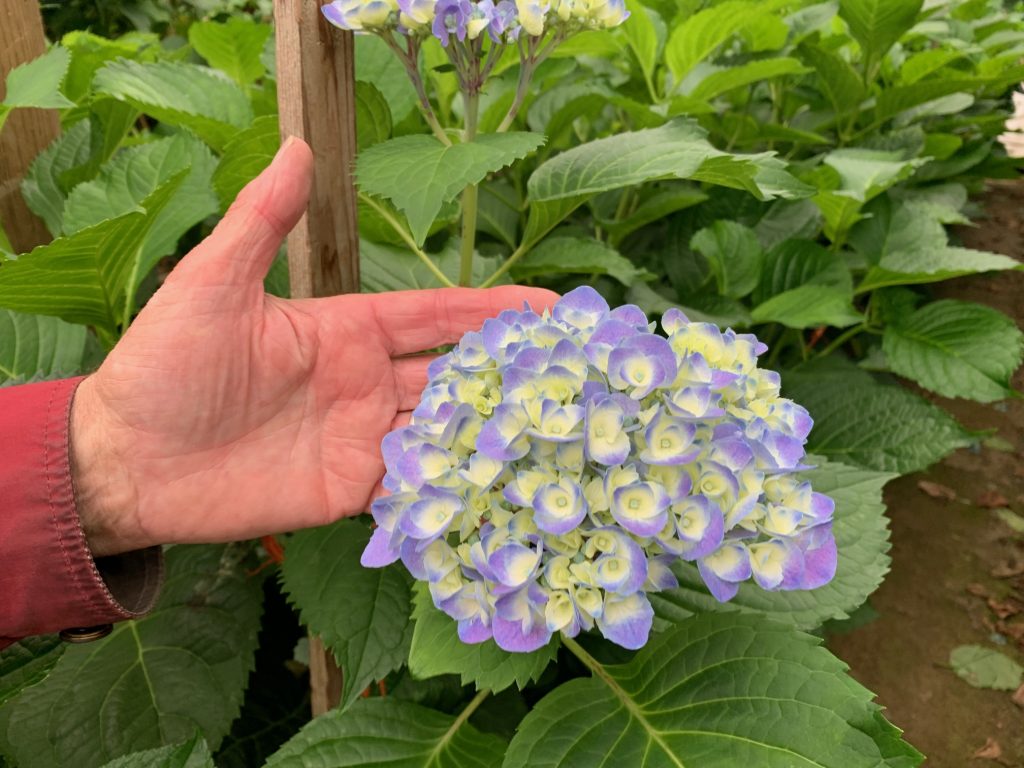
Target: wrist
x,y
105,495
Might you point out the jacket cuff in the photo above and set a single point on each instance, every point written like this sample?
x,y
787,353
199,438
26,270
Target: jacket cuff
x,y
48,577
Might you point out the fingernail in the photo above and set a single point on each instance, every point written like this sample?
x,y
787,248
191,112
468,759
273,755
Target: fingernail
x,y
284,147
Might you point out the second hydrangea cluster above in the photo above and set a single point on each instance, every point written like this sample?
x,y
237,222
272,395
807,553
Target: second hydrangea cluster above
x,y
558,464
461,19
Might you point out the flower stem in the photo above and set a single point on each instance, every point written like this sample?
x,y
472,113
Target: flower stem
x,y
842,339
410,58
407,239
471,99
459,721
517,254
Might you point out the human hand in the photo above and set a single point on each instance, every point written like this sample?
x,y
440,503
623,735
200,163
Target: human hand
x,y
226,413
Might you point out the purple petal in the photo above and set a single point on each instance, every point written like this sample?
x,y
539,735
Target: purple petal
x,y
627,621
632,315
582,307
820,557
378,552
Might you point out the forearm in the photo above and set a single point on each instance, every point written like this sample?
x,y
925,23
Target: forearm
x,y
49,578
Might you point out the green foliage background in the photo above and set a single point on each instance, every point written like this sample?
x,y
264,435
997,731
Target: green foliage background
x,y
788,167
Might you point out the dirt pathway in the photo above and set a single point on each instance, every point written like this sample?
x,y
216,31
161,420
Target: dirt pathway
x,y
952,579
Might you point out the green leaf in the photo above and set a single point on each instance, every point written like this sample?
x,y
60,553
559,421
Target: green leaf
x,y
437,650
860,420
35,347
27,663
839,81
878,24
986,668
956,349
716,692
764,176
915,266
37,83
234,46
545,216
866,173
83,277
720,311
89,52
387,268
861,529
700,35
498,211
373,116
741,76
576,256
377,65
734,255
678,149
655,204
245,156
808,307
853,177
42,187
907,244
132,176
191,754
361,614
386,731
180,94
441,172
795,262
642,37
153,681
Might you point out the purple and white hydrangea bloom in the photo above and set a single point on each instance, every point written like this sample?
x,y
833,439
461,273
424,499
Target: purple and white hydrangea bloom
x,y
360,15
468,19
559,464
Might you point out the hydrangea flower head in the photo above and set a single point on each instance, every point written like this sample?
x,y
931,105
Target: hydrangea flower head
x,y
360,15
558,464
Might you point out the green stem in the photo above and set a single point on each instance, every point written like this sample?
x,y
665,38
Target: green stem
x,y
531,61
407,239
464,715
842,339
469,196
410,58
517,254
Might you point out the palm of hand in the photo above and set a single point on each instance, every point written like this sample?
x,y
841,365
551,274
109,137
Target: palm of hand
x,y
230,413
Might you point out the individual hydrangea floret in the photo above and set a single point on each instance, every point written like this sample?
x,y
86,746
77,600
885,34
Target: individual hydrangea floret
x,y
360,15
559,464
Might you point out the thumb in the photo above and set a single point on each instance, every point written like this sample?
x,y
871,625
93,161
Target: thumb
x,y
243,245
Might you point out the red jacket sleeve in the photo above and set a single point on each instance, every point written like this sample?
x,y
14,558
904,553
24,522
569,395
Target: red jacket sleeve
x,y
49,580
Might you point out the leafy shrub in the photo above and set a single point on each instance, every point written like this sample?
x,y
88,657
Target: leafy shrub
x,y
771,166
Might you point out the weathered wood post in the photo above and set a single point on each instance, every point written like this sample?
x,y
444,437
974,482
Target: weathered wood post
x,y
28,131
316,98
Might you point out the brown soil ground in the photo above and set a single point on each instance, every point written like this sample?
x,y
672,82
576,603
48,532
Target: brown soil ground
x,y
952,579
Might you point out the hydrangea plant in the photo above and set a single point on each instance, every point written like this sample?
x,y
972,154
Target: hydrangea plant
x,y
559,463
474,36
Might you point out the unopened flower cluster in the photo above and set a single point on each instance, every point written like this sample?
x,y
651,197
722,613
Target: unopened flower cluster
x,y
558,464
503,21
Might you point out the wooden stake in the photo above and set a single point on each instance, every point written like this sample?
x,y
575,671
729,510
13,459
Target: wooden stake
x,y
316,97
27,131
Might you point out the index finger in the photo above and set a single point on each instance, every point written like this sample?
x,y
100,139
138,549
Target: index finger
x,y
414,321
